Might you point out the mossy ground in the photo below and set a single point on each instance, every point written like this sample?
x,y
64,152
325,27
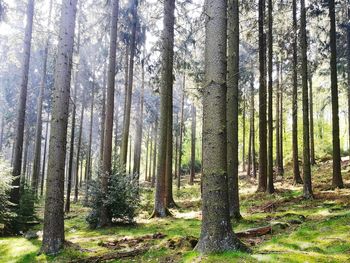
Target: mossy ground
x,y
318,230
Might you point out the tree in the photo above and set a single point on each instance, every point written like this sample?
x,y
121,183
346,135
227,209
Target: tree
x,y
38,128
216,231
306,132
232,105
262,187
107,151
181,130
270,187
166,89
53,234
251,157
296,170
17,160
337,181
193,145
127,112
348,72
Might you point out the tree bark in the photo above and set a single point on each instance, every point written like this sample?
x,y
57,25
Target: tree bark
x,y
155,153
127,113
17,160
103,120
270,186
216,231
107,151
296,169
166,90
306,132
337,181
181,130
262,187
53,234
232,108
43,168
312,133
193,145
348,72
243,134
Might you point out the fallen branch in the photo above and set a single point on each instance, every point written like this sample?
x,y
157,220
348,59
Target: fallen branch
x,y
255,232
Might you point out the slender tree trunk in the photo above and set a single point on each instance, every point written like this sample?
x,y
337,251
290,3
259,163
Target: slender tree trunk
x,y
107,151
155,153
176,147
38,129
348,71
312,133
89,160
243,134
160,204
270,187
296,169
25,156
281,128
53,234
278,98
139,121
181,130
103,120
150,157
147,153
126,78
130,151
262,187
337,181
306,132
216,232
17,160
193,145
43,168
127,113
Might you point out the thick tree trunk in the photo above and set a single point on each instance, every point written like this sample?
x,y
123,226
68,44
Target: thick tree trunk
x,y
107,151
337,181
262,187
17,160
193,145
38,128
232,108
306,132
139,122
270,187
53,234
296,169
127,113
216,232
166,90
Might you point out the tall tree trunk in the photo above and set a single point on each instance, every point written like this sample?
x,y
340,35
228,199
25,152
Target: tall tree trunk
x,y
139,122
176,135
155,135
129,151
337,181
296,169
262,187
126,78
312,133
17,160
160,204
243,134
43,168
53,234
278,98
281,128
181,130
127,113
103,120
348,71
270,186
89,160
306,132
193,145
38,128
77,181
216,232
251,162
107,151
25,156
232,108
147,153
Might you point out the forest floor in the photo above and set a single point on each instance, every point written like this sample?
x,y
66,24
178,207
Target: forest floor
x,y
302,230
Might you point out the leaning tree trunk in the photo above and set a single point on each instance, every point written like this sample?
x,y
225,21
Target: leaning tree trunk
x,y
262,187
107,151
270,186
38,129
53,234
216,231
337,181
232,108
193,145
296,170
306,134
17,159
160,202
127,113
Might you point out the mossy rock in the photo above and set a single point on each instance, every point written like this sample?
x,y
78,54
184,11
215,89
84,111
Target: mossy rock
x,y
187,243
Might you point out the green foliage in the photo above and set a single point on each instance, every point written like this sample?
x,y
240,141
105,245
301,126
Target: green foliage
x,y
121,200
5,186
186,167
